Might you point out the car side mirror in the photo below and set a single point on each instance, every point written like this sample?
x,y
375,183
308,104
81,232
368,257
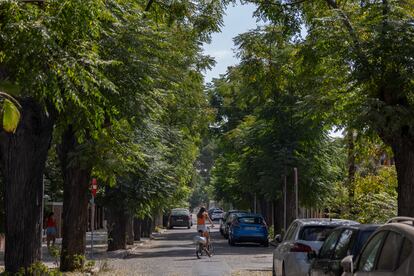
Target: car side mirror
x,y
312,255
347,264
278,238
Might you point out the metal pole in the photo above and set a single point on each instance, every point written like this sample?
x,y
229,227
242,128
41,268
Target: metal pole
x,y
295,170
92,222
284,203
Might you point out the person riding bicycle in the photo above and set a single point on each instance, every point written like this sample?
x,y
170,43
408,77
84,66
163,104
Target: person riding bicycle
x,y
202,215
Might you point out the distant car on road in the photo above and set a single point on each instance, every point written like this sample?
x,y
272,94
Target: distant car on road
x,y
217,214
180,217
290,258
343,241
248,228
389,251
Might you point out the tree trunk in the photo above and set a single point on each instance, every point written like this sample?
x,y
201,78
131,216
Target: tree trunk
x,y
351,168
130,230
278,216
76,178
137,229
403,149
23,158
117,221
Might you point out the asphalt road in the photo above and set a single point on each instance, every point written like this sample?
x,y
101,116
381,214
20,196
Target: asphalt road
x,y
173,253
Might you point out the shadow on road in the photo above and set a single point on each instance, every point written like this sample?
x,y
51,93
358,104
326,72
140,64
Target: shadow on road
x,y
178,243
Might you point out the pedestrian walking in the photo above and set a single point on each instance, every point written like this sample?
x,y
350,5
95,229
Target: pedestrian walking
x,y
51,229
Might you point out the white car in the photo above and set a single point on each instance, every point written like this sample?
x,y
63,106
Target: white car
x,y
290,258
217,215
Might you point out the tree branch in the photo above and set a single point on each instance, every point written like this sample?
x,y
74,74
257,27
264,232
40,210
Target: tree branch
x,y
348,25
150,2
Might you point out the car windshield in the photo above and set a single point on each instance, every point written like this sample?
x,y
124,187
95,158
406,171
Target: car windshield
x,y
315,233
179,212
251,220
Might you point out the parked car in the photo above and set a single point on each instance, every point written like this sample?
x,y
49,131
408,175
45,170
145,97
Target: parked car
x,y
180,217
290,258
228,222
248,228
225,216
343,241
217,214
389,251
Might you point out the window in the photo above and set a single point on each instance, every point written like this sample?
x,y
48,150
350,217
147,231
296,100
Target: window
x,y
180,213
405,251
329,245
389,256
343,244
290,232
251,220
367,259
315,233
363,237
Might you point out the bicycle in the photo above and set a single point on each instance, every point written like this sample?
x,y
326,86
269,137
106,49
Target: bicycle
x,y
201,248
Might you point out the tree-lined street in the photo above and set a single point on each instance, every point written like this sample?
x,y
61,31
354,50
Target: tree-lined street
x,y
108,123
173,253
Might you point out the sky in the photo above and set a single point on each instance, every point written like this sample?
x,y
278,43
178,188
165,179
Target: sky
x,y
238,19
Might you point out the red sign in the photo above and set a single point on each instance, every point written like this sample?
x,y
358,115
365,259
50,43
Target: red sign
x,y
94,186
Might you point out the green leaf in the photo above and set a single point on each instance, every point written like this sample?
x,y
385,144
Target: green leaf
x,y
11,116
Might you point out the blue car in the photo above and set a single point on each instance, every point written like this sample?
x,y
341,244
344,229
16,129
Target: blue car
x,y
248,228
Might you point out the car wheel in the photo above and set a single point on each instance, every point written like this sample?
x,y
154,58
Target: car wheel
x,y
226,236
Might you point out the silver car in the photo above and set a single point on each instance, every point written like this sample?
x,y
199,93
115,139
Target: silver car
x,y
290,258
389,251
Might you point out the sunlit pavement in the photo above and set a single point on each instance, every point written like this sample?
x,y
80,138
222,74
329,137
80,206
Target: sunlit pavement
x,y
173,253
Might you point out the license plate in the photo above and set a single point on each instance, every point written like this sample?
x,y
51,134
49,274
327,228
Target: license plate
x,y
250,228
179,220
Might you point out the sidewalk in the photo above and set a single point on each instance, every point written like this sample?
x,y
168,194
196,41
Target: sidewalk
x,y
99,249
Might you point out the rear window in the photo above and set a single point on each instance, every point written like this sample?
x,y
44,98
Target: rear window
x,y
315,233
179,213
218,212
251,220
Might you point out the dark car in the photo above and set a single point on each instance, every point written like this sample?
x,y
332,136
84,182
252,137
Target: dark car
x,y
342,242
179,217
228,221
248,228
388,252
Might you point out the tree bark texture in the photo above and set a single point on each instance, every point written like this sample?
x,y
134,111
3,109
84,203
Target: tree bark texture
x,y
137,229
278,216
23,158
130,230
76,179
117,223
403,149
351,167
